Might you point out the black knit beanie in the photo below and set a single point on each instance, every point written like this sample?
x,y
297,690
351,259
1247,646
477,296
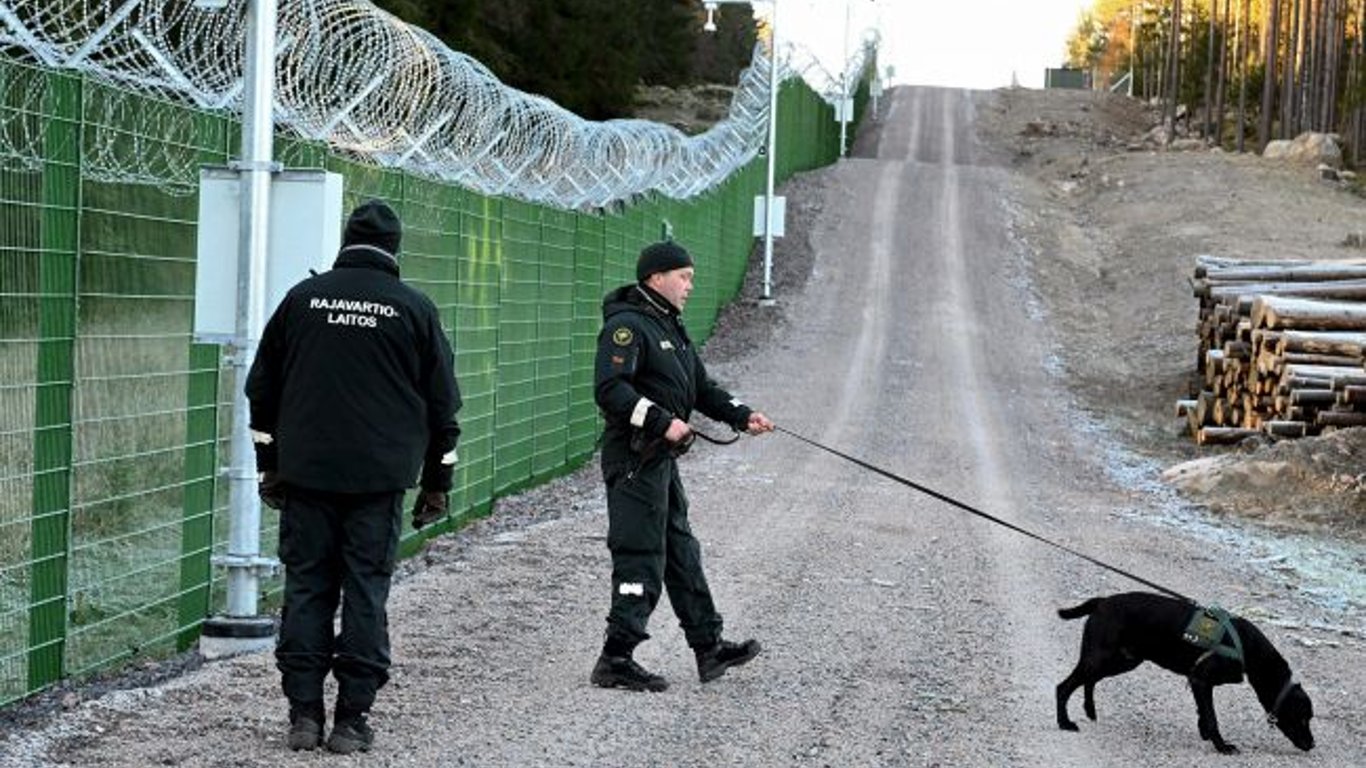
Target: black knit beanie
x,y
375,224
661,257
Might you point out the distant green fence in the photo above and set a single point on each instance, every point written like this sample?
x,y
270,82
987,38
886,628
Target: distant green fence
x,y
113,422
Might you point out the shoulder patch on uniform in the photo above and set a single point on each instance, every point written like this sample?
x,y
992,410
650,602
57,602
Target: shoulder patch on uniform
x,y
622,336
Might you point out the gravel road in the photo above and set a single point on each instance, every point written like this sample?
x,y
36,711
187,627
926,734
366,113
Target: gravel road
x,y
898,631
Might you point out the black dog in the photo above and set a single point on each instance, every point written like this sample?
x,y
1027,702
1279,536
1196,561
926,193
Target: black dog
x,y
1125,630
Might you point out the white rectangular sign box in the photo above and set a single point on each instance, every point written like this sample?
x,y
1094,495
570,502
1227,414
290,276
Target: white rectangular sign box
x,y
844,111
779,215
305,234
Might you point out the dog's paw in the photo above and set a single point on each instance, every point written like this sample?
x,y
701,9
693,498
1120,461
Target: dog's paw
x,y
1090,712
1226,748
1068,725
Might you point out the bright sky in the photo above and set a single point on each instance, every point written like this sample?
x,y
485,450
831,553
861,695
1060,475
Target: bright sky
x,y
960,43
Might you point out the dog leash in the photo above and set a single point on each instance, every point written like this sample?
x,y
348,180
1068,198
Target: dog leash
x,y
986,516
653,448
715,440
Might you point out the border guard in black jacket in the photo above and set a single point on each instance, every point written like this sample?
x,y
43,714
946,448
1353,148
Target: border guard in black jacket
x,y
352,393
649,379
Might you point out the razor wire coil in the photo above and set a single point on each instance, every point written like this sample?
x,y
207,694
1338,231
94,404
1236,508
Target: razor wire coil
x,y
368,85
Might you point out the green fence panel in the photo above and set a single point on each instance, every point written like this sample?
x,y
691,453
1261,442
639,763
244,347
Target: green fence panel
x,y
554,340
735,225
21,247
432,221
621,245
515,439
590,245
699,313
201,470
203,392
130,405
479,259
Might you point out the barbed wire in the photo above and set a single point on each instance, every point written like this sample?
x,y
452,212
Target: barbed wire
x,y
367,84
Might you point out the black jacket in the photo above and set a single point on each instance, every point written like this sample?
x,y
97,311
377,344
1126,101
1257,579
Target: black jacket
x,y
648,372
355,382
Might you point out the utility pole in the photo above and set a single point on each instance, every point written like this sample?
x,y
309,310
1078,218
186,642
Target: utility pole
x,y
239,628
771,149
844,87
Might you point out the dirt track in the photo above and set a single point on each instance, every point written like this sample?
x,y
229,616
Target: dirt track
x,y
898,631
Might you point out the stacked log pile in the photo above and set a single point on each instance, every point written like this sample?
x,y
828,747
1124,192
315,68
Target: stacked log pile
x,y
1282,349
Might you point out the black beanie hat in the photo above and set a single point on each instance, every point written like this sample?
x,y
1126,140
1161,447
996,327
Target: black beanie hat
x,y
661,257
375,224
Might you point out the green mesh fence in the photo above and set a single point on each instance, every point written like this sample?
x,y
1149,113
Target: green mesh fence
x,y
113,422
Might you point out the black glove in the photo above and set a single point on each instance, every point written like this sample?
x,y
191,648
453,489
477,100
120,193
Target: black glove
x,y
271,489
429,507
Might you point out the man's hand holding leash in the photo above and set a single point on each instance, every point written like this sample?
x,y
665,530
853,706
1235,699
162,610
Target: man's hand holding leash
x,y
678,431
759,424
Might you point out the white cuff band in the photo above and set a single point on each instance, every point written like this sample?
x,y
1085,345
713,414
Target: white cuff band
x,y
638,415
264,438
450,458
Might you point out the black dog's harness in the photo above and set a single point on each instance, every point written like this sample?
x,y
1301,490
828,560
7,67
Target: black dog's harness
x,y
1212,629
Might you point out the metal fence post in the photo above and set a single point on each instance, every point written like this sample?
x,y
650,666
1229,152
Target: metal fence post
x,y
55,383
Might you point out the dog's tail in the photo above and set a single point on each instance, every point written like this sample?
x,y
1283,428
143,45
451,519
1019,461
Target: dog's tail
x,y
1085,609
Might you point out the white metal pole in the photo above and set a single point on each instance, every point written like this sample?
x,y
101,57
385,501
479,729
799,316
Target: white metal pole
x,y
772,153
244,538
844,85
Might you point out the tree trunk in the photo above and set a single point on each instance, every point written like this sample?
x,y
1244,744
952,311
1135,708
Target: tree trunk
x,y
1285,428
1336,376
1279,312
1313,397
1360,112
1353,84
1221,75
1210,85
1245,295
1246,9
1322,342
1316,66
1339,38
1289,87
1174,71
1269,47
1223,435
1352,394
1340,419
1295,273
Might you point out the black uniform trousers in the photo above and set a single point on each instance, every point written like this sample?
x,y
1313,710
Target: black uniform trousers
x,y
337,548
653,549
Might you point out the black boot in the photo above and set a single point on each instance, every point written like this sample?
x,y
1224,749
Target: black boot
x,y
350,732
713,661
305,725
624,672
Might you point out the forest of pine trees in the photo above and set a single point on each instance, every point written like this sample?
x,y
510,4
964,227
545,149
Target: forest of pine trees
x,y
1249,71
588,56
